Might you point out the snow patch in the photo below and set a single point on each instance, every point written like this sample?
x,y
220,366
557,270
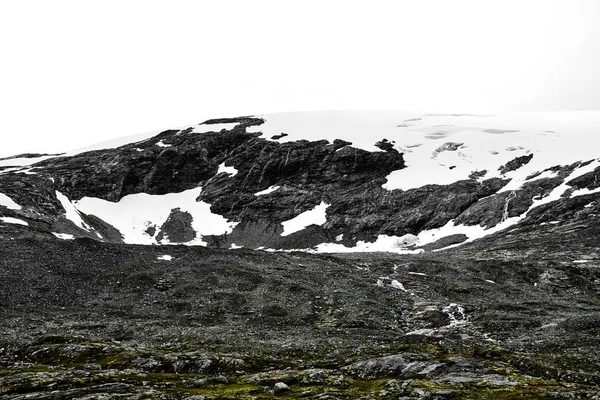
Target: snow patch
x,y
544,175
11,220
384,243
316,216
397,285
8,202
160,143
23,161
268,190
64,236
133,214
416,273
584,191
205,128
235,246
72,213
581,261
165,257
227,170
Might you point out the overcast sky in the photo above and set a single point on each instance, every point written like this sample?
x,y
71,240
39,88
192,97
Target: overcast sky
x,y
78,72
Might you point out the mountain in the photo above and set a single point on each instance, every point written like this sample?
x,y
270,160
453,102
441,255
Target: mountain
x,y
373,254
329,181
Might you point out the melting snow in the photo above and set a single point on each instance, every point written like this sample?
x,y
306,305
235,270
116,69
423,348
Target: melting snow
x,y
316,216
165,257
8,202
72,213
64,236
228,170
392,244
268,190
10,220
134,213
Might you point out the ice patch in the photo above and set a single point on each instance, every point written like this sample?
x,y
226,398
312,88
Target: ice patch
x,y
8,202
133,214
11,220
316,216
227,170
64,236
165,257
268,190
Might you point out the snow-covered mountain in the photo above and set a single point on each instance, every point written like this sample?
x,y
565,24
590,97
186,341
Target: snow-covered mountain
x,y
326,181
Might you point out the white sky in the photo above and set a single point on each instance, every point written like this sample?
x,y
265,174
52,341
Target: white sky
x,y
79,72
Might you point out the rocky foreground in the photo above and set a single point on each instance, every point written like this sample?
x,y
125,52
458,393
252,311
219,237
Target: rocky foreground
x,y
515,315
99,299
